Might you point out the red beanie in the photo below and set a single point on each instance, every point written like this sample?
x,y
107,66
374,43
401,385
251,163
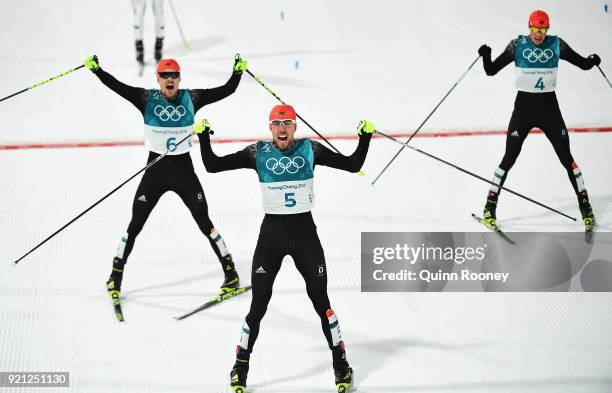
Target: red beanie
x,y
282,112
165,64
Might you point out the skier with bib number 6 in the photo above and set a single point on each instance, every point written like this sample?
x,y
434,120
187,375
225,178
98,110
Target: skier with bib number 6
x,y
169,114
285,167
536,58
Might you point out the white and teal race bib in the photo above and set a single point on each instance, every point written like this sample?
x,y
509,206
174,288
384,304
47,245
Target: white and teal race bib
x,y
536,66
167,123
286,178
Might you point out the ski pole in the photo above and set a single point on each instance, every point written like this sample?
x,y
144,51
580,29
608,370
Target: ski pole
x,y
424,121
178,24
43,82
283,102
405,144
150,164
604,75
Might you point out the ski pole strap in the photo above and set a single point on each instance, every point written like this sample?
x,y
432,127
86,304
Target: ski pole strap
x,y
475,175
297,114
604,75
43,82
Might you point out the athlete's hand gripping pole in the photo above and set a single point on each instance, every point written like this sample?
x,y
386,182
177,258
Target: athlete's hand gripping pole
x,y
424,121
283,102
150,164
201,126
43,82
405,144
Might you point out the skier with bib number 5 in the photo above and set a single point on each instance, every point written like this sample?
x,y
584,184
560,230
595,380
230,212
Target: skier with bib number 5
x,y
285,167
169,114
536,58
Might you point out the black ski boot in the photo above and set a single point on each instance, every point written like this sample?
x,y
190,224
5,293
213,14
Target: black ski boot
x,y
238,375
342,372
159,45
231,281
139,52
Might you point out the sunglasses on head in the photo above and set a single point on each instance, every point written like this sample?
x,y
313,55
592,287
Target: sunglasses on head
x,y
278,123
169,74
542,30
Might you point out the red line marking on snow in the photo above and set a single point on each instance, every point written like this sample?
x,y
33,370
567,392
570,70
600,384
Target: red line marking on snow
x,y
440,134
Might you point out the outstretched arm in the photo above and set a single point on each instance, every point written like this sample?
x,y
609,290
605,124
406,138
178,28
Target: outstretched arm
x,y
568,54
352,163
201,97
244,158
136,95
506,57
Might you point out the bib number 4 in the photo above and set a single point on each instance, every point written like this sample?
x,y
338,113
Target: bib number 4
x,y
539,84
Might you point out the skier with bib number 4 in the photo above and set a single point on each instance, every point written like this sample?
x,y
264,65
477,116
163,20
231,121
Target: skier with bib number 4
x,y
536,58
169,114
285,168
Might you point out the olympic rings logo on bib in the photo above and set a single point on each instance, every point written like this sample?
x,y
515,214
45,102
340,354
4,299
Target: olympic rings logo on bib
x,y
285,164
170,112
537,54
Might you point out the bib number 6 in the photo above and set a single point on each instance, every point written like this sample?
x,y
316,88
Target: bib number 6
x,y
171,144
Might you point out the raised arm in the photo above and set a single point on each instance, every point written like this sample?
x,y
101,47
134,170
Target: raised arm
x,y
568,54
202,97
506,57
352,163
136,95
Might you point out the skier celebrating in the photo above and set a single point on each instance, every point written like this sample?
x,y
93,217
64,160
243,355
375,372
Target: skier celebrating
x,y
168,117
139,7
285,168
536,58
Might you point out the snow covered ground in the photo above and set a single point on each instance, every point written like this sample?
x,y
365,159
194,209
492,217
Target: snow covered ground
x,y
388,61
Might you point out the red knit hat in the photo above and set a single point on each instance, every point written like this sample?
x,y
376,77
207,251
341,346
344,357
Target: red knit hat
x,y
282,112
165,64
539,18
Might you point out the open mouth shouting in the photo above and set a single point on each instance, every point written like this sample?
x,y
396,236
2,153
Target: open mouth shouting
x,y
168,82
170,88
282,132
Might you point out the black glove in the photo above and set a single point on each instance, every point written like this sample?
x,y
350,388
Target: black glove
x,y
595,59
484,51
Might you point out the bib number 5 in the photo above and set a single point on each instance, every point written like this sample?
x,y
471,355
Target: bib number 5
x,y
289,199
